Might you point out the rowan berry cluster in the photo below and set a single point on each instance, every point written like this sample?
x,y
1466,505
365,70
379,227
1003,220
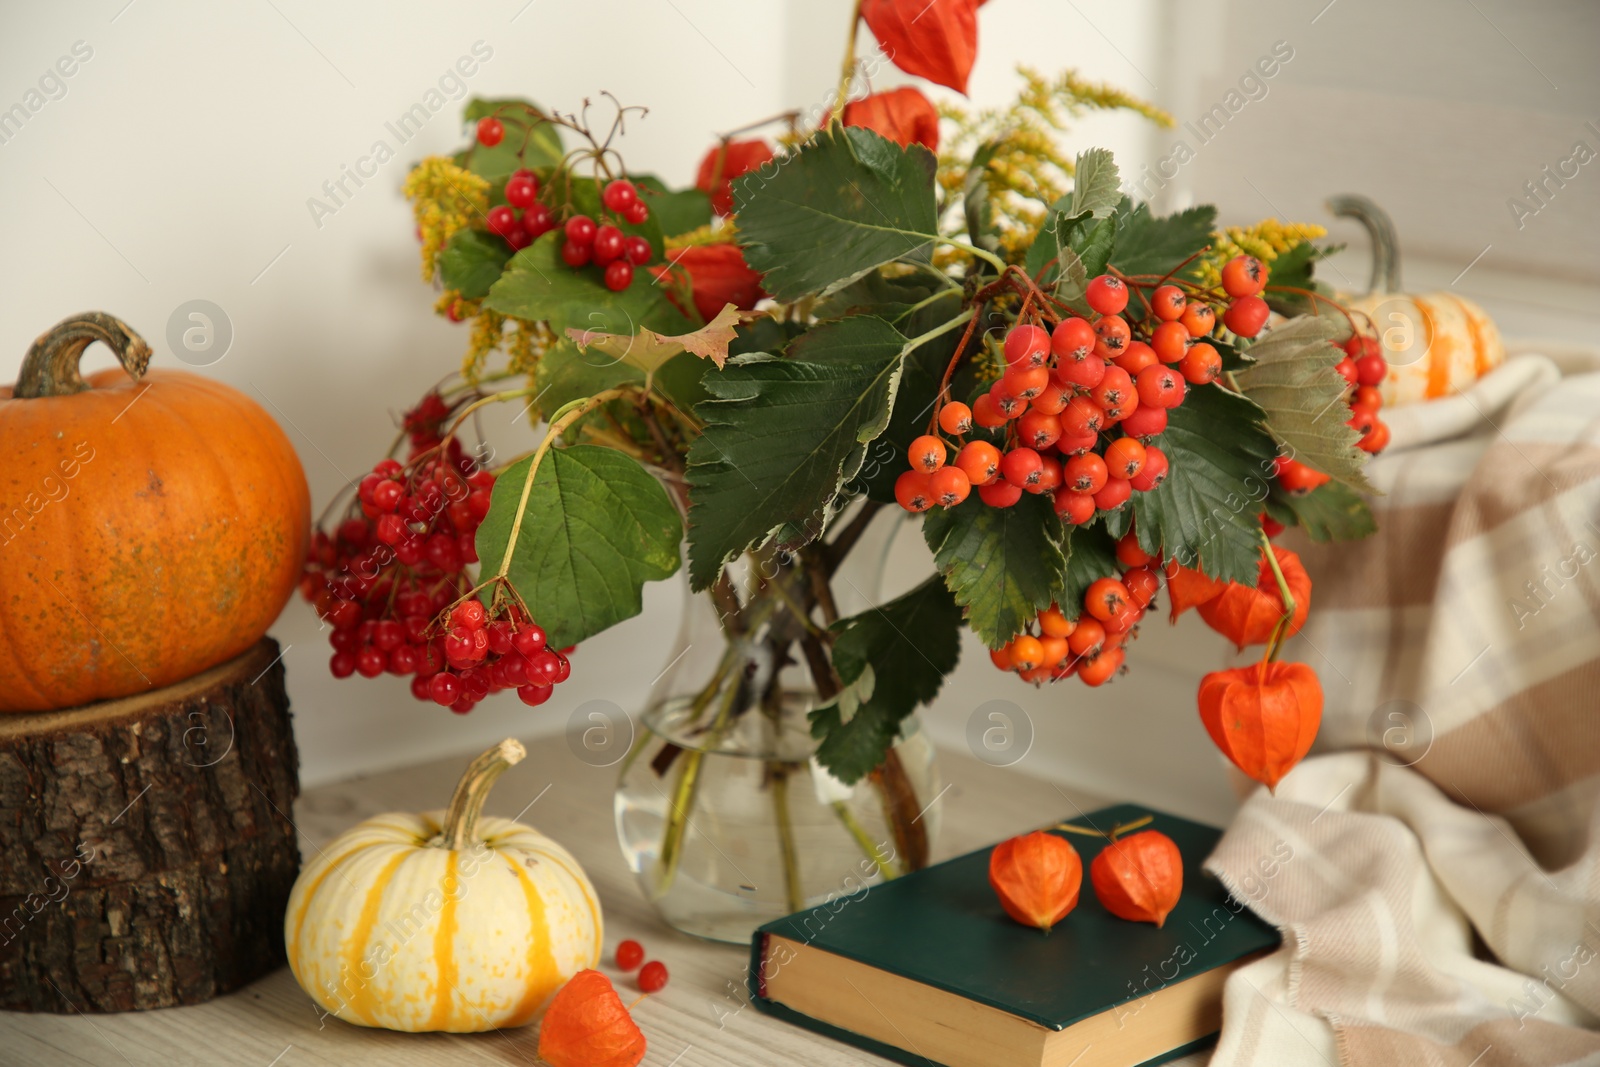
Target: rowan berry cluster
x,y
391,581
1090,646
1363,369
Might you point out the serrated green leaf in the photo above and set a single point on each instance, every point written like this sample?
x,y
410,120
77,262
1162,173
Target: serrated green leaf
x,y
676,211
472,261
891,659
1002,564
538,286
1331,512
1291,377
1091,554
1221,462
596,527
842,204
783,435
1096,185
1148,244
543,142
1092,239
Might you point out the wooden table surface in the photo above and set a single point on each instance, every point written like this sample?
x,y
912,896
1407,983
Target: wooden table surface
x,y
701,1020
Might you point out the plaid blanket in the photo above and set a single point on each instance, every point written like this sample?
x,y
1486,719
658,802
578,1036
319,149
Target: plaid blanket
x,y
1435,864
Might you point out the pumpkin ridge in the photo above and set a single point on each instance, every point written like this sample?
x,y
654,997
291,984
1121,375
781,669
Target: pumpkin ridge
x,y
541,963
360,1001
311,891
444,950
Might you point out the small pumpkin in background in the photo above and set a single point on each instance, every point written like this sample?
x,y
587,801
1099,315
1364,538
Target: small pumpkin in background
x,y
1435,344
153,523
444,921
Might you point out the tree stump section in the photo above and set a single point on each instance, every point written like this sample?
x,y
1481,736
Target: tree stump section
x,y
146,852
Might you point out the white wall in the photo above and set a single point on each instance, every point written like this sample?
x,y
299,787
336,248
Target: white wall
x,y
178,165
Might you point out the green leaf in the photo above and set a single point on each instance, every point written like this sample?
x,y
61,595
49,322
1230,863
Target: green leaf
x,y
1292,378
597,527
1330,512
676,211
976,204
1147,244
1003,564
543,143
1091,554
567,374
472,261
891,659
1096,185
1092,240
783,435
538,286
1221,465
1293,269
842,204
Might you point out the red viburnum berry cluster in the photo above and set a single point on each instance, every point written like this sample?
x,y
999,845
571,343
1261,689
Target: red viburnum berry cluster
x,y
391,578
522,219
604,244
1091,647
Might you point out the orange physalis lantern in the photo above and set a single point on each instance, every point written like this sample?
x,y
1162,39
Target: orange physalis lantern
x,y
1139,877
933,39
587,1025
1263,717
902,115
1037,877
726,162
1188,588
1248,616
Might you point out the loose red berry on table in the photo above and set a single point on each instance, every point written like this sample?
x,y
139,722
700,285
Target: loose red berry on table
x,y
619,275
1107,294
491,131
653,977
629,955
1027,346
955,418
1244,276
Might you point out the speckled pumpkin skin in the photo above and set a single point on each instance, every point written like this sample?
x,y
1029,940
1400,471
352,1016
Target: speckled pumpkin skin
x,y
384,929
148,530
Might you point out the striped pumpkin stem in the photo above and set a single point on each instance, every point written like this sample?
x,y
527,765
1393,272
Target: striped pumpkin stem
x,y
461,820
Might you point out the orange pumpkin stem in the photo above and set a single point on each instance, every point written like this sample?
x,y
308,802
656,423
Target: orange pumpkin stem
x,y
51,366
461,820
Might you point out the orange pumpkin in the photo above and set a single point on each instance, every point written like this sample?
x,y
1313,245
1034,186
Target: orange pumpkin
x,y
152,525
1263,717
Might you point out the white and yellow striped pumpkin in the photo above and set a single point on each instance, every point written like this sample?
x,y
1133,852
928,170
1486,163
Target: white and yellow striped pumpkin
x,y
1436,344
442,921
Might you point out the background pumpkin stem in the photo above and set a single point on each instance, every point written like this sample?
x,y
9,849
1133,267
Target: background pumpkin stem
x,y
1380,230
51,366
461,821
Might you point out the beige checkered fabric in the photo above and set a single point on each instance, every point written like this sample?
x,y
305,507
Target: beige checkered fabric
x,y
1435,864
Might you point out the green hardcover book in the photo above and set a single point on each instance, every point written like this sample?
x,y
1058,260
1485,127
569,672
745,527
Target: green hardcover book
x,y
928,970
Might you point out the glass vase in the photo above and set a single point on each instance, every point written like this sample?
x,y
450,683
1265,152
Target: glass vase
x,y
723,811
